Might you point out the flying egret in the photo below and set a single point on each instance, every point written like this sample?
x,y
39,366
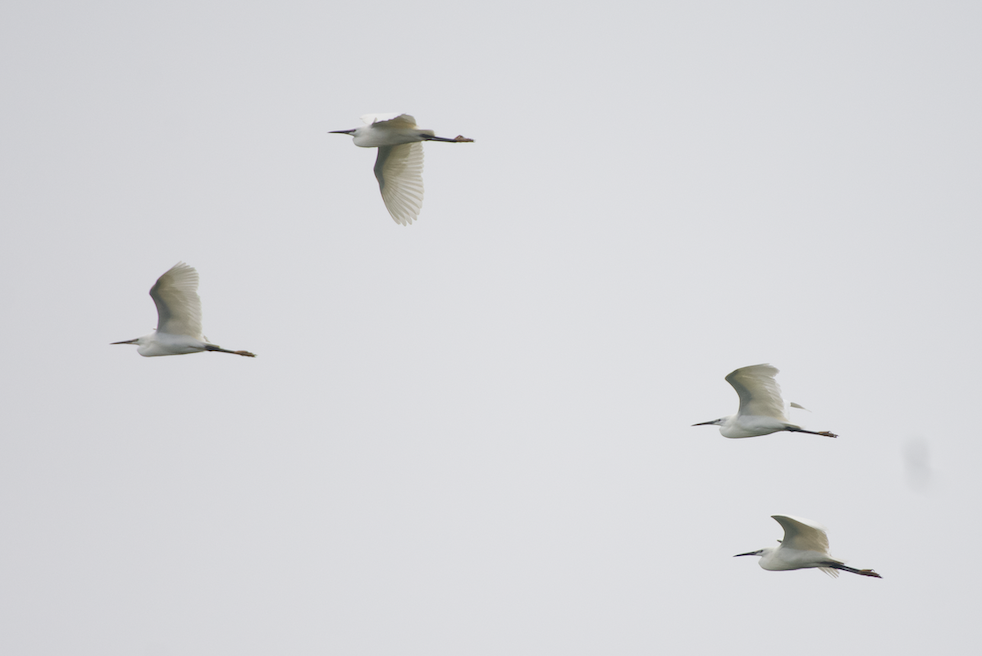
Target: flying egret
x,y
761,406
399,165
805,544
178,317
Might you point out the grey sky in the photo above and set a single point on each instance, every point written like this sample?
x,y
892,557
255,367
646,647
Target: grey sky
x,y
472,435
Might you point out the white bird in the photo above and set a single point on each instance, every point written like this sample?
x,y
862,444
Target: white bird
x,y
178,317
761,406
805,544
399,165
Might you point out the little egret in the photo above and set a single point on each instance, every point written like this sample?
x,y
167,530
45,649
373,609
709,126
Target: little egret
x,y
399,165
178,317
761,406
805,544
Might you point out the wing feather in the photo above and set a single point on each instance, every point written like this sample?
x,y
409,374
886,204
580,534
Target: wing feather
x,y
178,306
760,395
803,534
394,120
399,170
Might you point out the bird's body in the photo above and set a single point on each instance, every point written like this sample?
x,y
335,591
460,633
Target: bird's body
x,y
762,408
399,165
805,545
178,317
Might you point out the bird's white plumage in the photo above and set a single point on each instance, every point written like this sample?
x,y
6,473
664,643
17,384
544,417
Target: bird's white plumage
x,y
760,395
803,534
805,545
399,165
178,317
394,119
399,170
178,305
762,409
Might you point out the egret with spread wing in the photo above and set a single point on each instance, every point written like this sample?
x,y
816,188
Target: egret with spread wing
x,y
399,165
805,544
761,406
178,317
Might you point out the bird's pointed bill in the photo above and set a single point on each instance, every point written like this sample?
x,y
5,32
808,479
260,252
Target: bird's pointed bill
x,y
129,341
749,553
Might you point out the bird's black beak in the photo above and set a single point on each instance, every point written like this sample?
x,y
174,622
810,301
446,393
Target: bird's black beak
x,y
342,131
707,423
749,553
129,341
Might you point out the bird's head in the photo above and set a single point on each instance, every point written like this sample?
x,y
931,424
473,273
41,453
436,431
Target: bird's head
x,y
714,422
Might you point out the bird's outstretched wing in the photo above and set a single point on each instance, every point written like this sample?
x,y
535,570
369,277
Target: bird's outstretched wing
x,y
393,120
803,534
760,394
399,170
178,306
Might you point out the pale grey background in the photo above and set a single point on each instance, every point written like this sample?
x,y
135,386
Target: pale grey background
x,y
472,435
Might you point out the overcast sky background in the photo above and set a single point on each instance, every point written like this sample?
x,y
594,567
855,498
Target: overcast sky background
x,y
472,435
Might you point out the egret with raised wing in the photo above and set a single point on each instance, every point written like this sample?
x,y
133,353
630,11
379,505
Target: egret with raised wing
x,y
762,409
399,165
178,317
805,544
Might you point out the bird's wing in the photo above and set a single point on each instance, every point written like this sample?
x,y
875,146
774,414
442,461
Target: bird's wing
x,y
803,534
760,394
176,296
392,120
399,170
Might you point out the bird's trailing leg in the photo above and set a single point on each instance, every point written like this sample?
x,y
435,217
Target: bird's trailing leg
x,y
846,568
457,139
212,347
795,429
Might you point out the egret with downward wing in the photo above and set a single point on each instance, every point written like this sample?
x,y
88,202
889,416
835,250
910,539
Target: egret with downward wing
x,y
399,165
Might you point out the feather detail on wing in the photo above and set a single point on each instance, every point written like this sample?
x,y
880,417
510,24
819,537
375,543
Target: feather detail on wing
x,y
760,394
178,306
803,534
394,120
399,170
